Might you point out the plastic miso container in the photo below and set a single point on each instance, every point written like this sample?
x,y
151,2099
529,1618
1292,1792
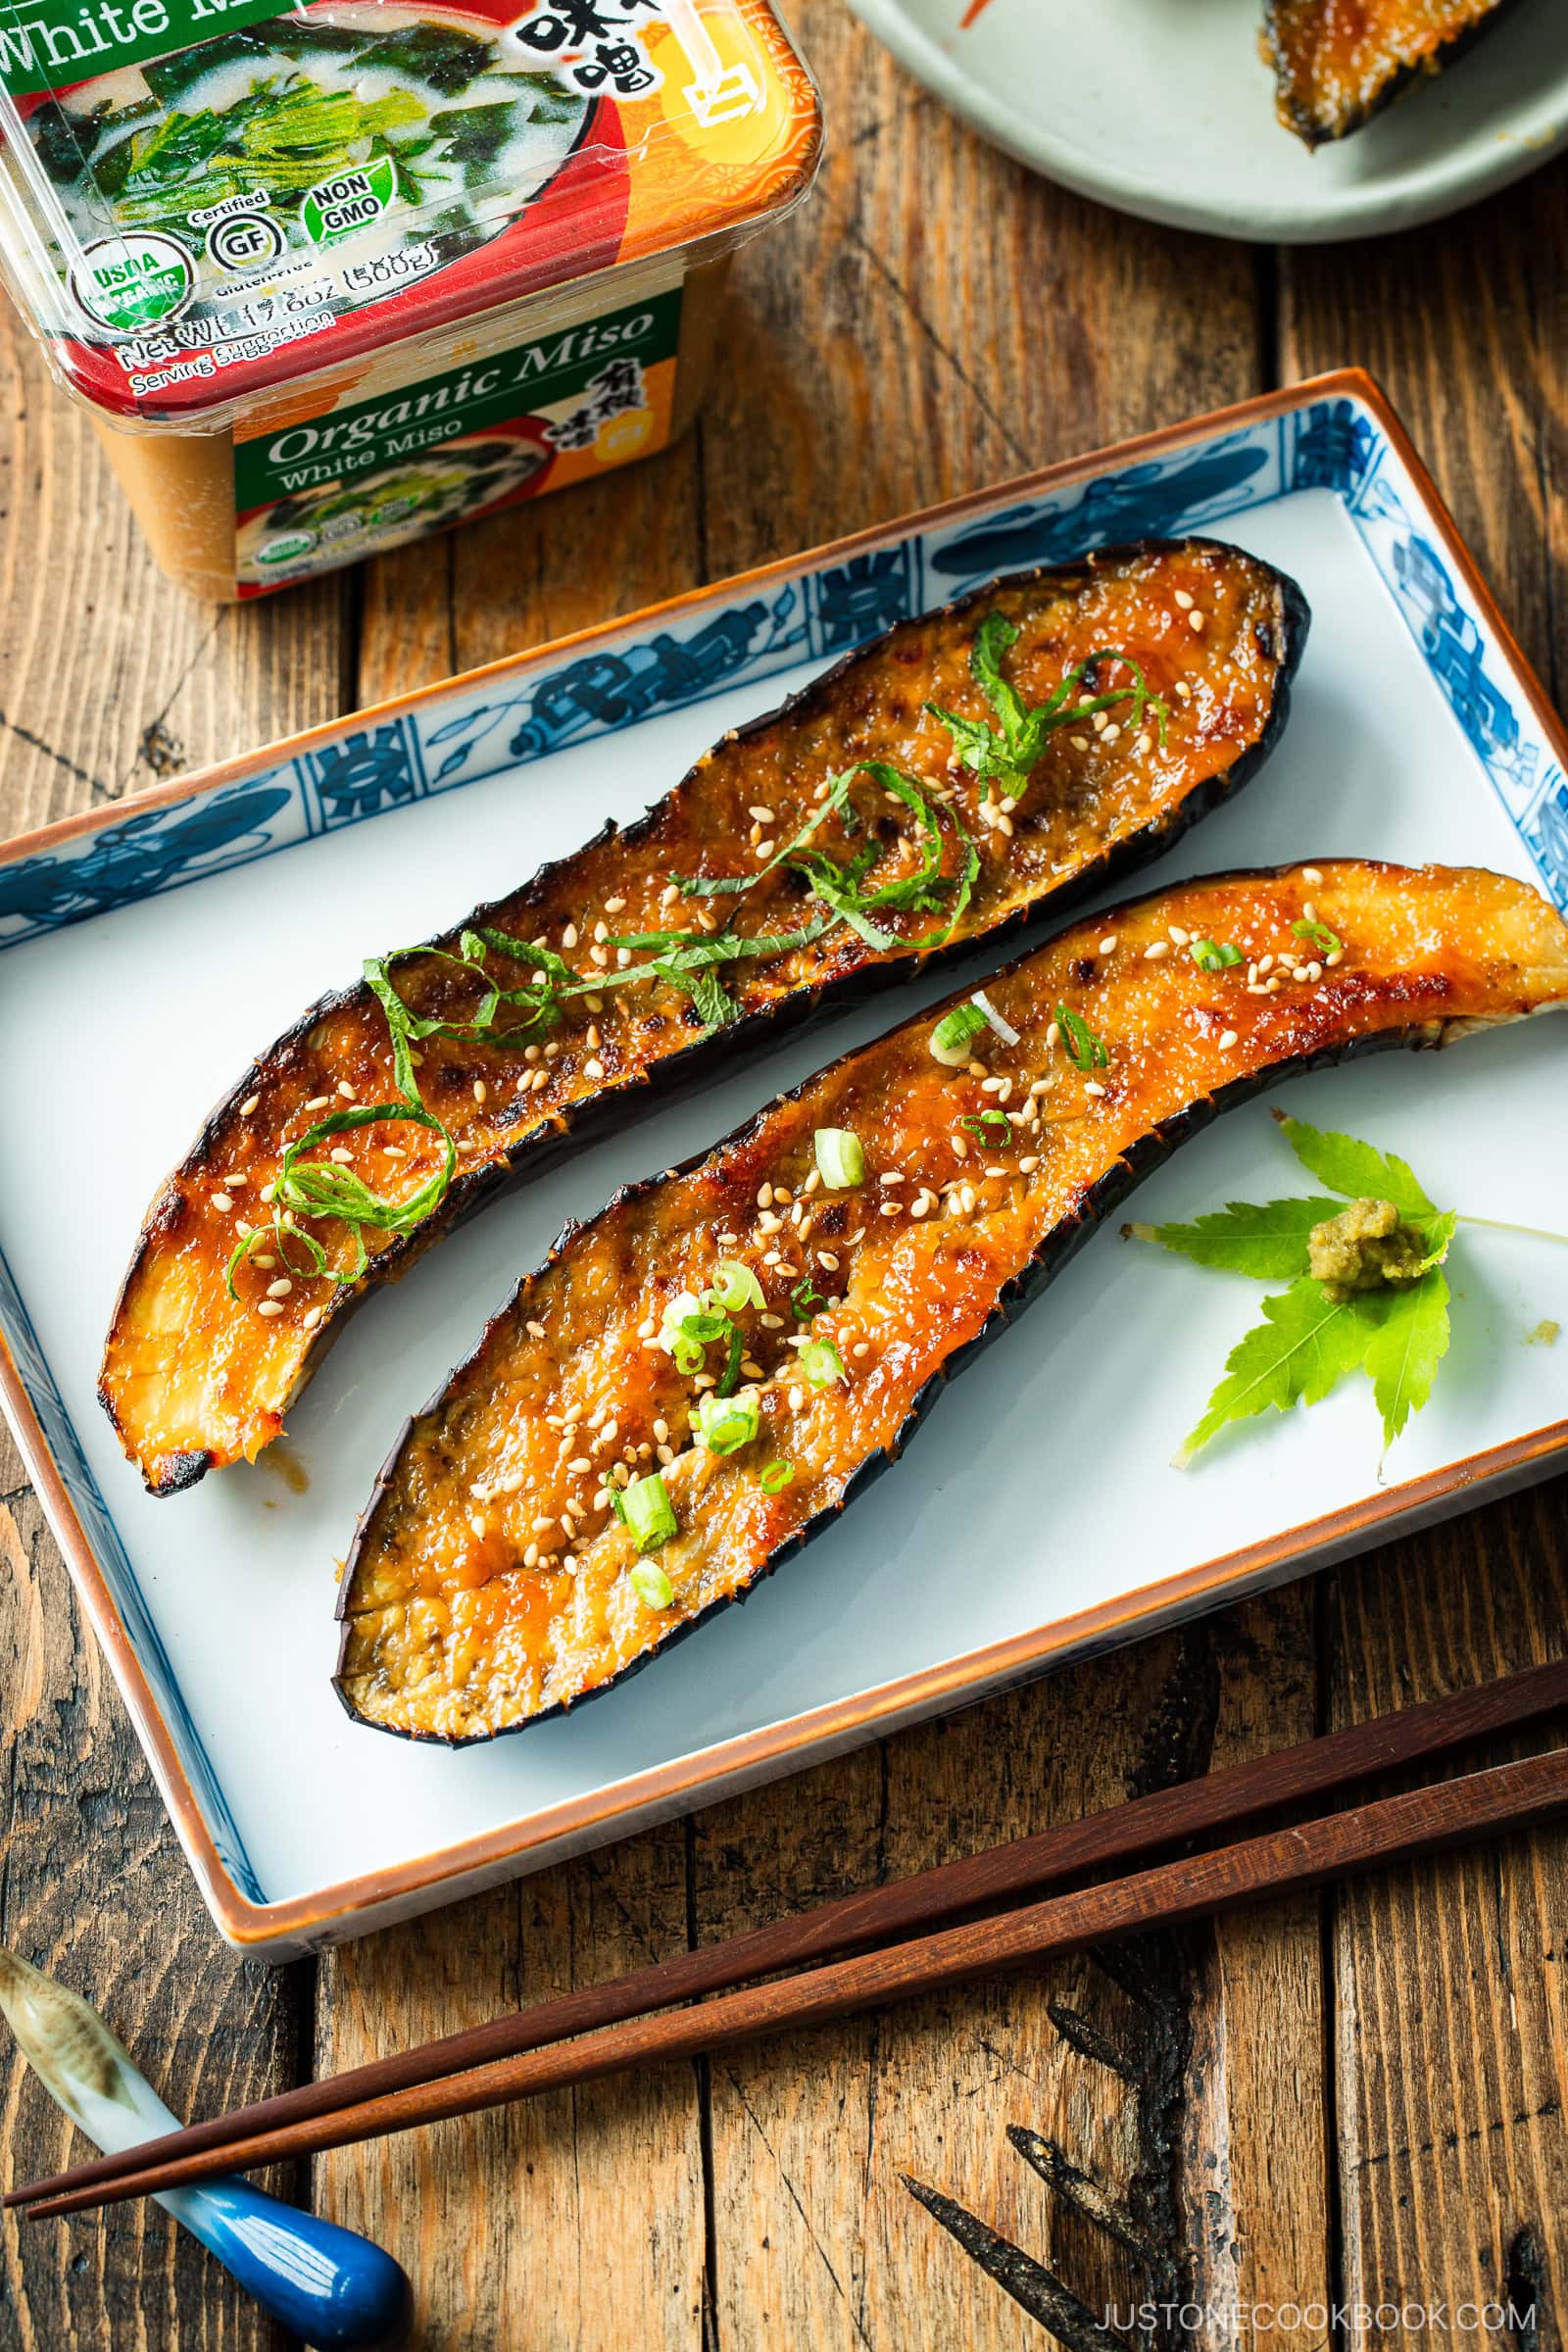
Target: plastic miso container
x,y
329,277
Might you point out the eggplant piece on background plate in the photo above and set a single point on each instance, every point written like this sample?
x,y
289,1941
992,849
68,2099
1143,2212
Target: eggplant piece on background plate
x,y
1085,717
1338,63
584,1492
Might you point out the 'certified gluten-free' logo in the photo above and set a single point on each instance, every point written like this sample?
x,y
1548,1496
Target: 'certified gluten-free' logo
x,y
134,282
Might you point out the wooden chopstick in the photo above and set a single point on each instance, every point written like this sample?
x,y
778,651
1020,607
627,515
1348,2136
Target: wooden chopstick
x,y
1123,1833
1507,1796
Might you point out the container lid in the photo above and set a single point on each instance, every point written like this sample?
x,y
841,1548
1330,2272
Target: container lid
x,y
238,196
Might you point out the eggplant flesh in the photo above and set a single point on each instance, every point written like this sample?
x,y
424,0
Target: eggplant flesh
x,y
492,1582
1338,63
195,1377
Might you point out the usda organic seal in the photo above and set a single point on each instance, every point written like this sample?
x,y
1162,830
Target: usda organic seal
x,y
132,282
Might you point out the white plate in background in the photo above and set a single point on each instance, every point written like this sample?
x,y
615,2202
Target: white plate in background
x,y
1164,108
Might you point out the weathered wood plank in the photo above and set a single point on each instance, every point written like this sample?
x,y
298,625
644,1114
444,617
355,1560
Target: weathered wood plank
x,y
109,678
94,1889
1449,2033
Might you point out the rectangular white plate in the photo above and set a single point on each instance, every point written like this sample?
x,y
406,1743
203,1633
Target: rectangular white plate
x,y
1036,1515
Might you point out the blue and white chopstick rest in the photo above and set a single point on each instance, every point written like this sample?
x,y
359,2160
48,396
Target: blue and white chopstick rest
x,y
337,2292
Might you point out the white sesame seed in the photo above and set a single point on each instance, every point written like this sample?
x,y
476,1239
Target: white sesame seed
x,y
1099,722
592,1067
825,1258
1301,972
891,1208
764,816
1310,873
960,1147
1053,1036
569,937
265,1260
1028,1164
966,1195
1183,599
251,1105
598,957
1113,731
765,1196
268,1307
540,1080
765,849
1264,963
342,1158
797,1398
350,1093
280,1289
313,1316
892,1176
480,1090
1080,743
993,1086
614,905
919,1205
319,1102
222,1204
1155,948
578,1463
812,1181
1314,970
1196,622
1227,1040
1308,911
1179,937
268,1189
1092,1086
1335,956
1108,946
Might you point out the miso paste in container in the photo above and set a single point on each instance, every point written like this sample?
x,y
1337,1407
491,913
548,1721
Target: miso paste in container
x,y
332,277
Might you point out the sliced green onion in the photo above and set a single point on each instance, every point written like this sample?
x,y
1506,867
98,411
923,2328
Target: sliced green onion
x,y
988,1013
821,1363
1320,936
652,1586
806,1301
724,1424
954,1034
1213,955
735,1286
650,1514
776,1476
984,1123
1086,1050
840,1158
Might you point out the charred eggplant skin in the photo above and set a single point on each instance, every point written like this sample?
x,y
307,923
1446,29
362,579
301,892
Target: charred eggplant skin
x,y
450,1635
193,1382
1338,62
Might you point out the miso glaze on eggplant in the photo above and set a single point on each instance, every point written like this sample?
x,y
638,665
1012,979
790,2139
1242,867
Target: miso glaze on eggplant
x,y
194,1376
1338,63
493,1583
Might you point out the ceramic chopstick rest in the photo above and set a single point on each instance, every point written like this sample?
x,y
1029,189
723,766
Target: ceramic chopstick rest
x,y
336,2291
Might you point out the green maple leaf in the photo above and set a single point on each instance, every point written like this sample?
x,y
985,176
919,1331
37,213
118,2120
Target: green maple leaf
x,y
1267,1243
1358,1170
1403,1353
1306,1345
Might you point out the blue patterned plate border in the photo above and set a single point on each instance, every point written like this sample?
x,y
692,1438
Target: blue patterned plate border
x,y
1334,433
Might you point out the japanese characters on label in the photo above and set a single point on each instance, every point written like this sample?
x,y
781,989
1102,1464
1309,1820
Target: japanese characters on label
x,y
595,46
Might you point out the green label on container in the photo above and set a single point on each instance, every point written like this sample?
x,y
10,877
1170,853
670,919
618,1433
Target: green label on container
x,y
323,490
51,44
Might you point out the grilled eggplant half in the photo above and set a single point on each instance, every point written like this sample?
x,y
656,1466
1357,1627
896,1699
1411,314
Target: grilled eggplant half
x,y
498,1578
826,850
1338,63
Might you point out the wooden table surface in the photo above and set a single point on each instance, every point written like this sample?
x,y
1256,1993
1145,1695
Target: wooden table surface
x,y
1359,2097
